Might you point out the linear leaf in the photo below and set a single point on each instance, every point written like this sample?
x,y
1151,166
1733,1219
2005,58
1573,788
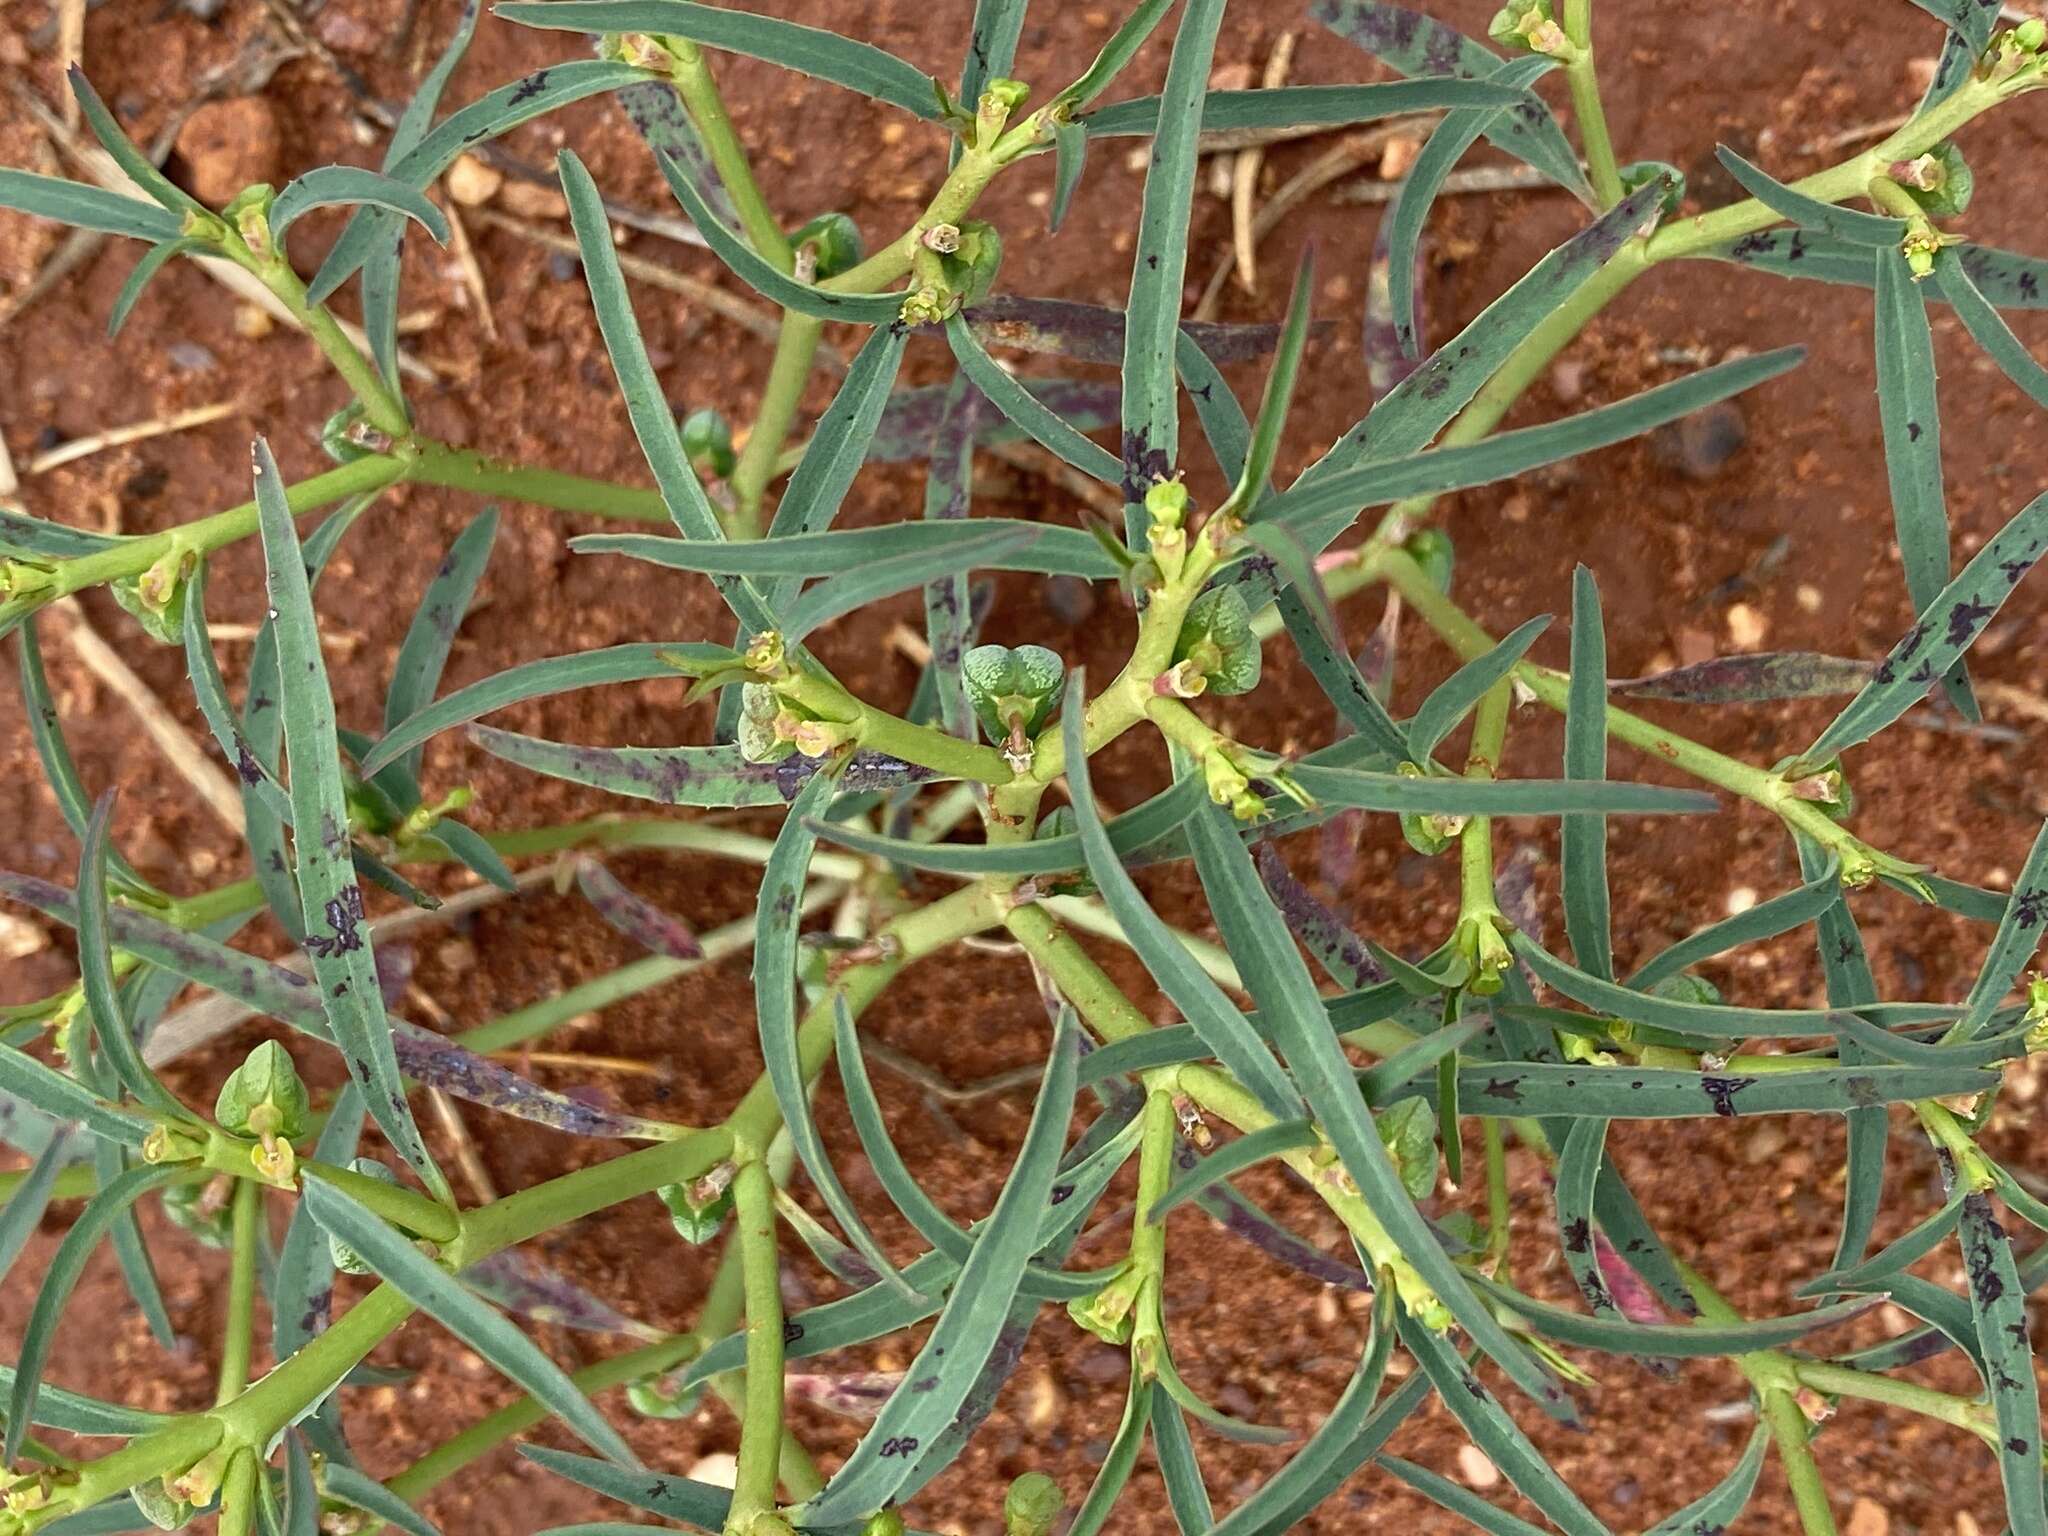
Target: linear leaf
x,y
254,776
1946,629
1279,981
1998,1308
1719,1506
2007,279
38,536
1117,52
66,1098
338,940
1765,920
799,556
1347,689
139,168
1186,1494
1151,411
1576,1091
1911,415
1324,508
1415,44
60,771
811,51
1223,1029
1232,1159
1902,1252
416,674
960,1341
131,1253
84,207
59,1280
1026,410
1493,1430
1583,839
708,776
1070,160
1343,956
1613,1334
1578,1175
654,424
78,1414
110,1028
633,915
1094,333
1313,106
331,186
776,927
498,112
541,679
2013,945
302,1284
1118,1461
1459,1500
1871,229
1264,450
152,261
1456,695
1445,147
949,618
1443,795
1755,678
24,1210
395,1258
685,1499
1224,425
1988,328
837,596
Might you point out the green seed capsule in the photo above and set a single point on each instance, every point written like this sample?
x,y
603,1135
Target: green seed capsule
x,y
835,241
1032,1506
1216,639
1012,691
707,443
652,1398
695,1221
263,1096
1431,549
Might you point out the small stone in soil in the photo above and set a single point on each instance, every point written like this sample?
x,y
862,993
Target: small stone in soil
x,y
229,145
191,357
562,266
1475,1468
1868,1518
1699,445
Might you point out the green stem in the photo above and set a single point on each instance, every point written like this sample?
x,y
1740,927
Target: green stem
x,y
406,1209
1945,1407
1946,1131
462,469
238,1496
1498,1212
796,349
1794,1438
241,1318
694,83
761,1426
1584,85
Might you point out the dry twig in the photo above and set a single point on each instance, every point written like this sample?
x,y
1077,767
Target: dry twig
x,y
115,437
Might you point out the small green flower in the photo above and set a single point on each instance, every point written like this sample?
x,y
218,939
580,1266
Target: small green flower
x,y
1033,1506
1478,941
834,242
264,1098
1012,692
1939,181
707,443
249,213
1431,549
345,1258
1531,25
697,1210
1217,643
156,598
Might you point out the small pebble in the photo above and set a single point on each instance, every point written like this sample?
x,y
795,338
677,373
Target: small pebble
x,y
1746,626
229,145
1476,1469
191,357
721,1469
1699,445
1808,597
1070,599
253,322
530,200
20,938
1868,1518
1740,900
472,183
562,266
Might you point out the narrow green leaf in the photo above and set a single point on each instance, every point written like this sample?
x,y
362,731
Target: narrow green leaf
x,y
498,112
991,45
66,1098
1223,1029
539,680
1459,1500
1322,509
1445,147
1242,1431
960,1341
1225,427
1444,795
2007,279
1416,44
1987,327
1578,1174
423,1282
110,1028
822,55
84,207
1946,629
1452,699
708,776
1029,413
1493,1431
1186,1494
131,1253
756,271
1117,52
1998,1308
1583,839
949,614
2013,945
330,186
1609,1332
39,537
1767,919
138,167
23,1213
684,1499
838,445
1279,982
60,771
1151,407
254,776
416,674
1232,1159
1272,418
1902,1252
1911,414
366,1493
1312,106
837,596
1070,159
901,1186
1340,680
59,1280
1810,213
775,953
800,556
654,424
338,940
1753,678
302,1286
301,1513
1118,1461
153,261
1380,1081
1573,1090
78,1414
1721,1504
